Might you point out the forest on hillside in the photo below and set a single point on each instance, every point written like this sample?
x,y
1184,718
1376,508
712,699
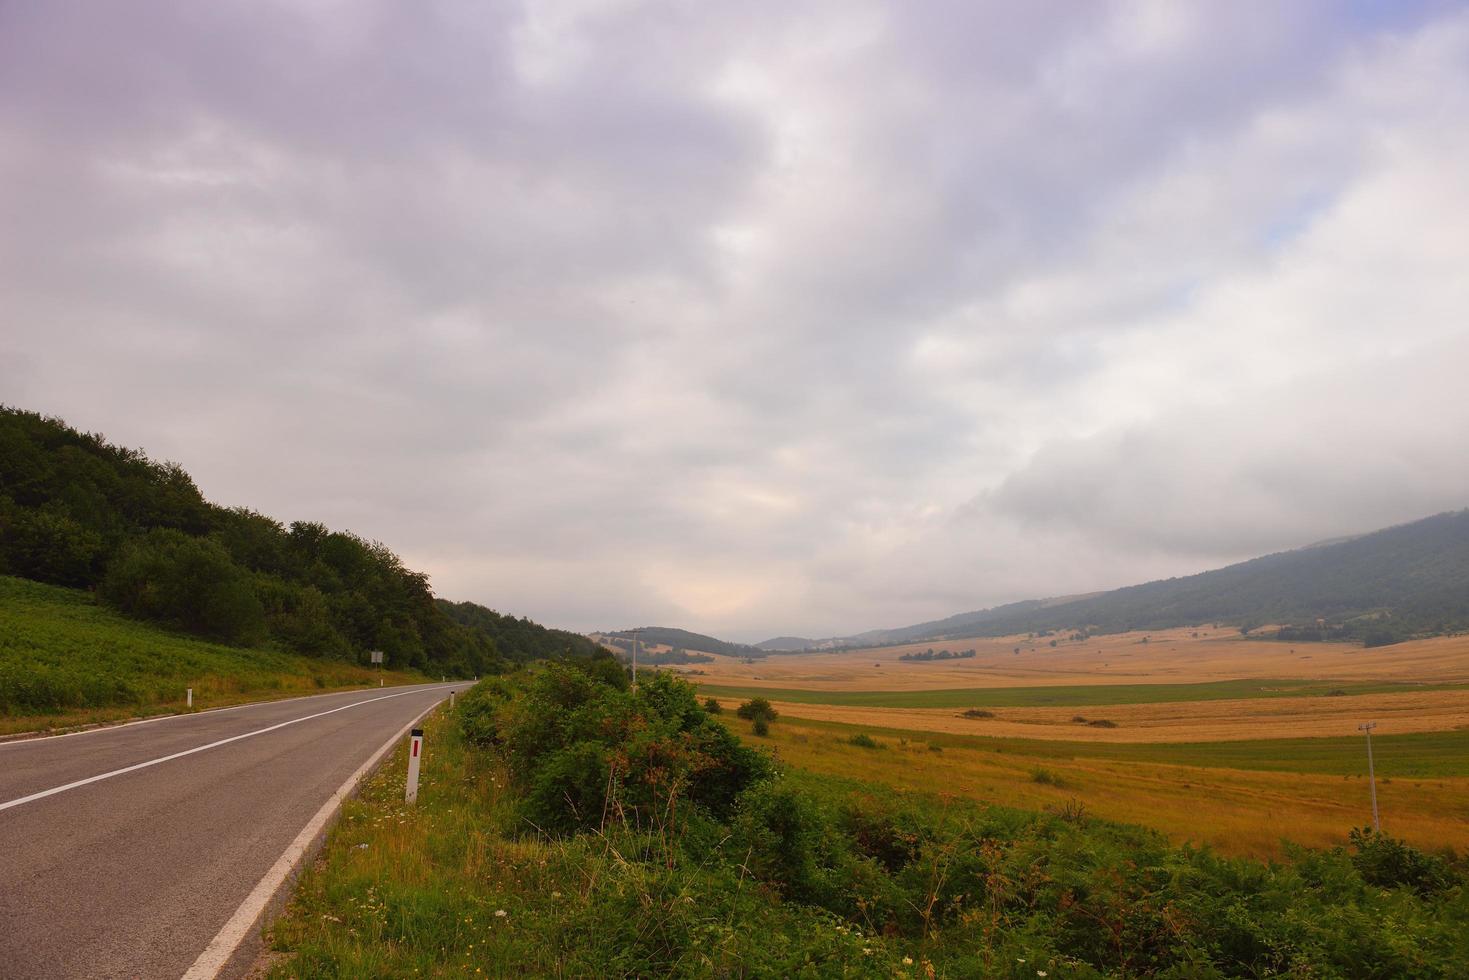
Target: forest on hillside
x,y
77,511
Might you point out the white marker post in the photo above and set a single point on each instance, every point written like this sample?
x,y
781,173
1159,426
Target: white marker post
x,y
451,700
189,698
415,753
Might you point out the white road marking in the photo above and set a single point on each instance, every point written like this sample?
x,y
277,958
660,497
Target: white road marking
x,y
199,748
103,728
223,946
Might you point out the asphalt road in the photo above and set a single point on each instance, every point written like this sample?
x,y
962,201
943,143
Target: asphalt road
x,y
131,876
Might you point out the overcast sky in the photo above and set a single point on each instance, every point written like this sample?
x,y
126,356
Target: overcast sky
x,y
755,318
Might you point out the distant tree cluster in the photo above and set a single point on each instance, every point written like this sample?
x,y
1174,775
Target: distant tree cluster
x,y
932,654
78,511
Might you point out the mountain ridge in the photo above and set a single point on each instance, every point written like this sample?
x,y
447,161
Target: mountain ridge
x,y
1379,586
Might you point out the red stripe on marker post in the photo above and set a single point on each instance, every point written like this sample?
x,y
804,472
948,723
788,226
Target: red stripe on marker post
x,y
415,743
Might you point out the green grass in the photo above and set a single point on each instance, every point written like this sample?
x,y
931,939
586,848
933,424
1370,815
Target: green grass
x,y
66,660
1079,695
453,886
1423,755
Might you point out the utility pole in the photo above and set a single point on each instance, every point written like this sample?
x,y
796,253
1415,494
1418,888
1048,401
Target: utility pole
x,y
635,656
1371,774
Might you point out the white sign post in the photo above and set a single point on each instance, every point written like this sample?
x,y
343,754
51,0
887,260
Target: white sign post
x,y
415,753
377,658
189,702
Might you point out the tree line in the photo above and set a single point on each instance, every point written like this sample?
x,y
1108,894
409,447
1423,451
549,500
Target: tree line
x,y
78,511
932,654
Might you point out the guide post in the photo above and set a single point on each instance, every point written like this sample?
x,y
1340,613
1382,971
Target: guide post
x,y
415,753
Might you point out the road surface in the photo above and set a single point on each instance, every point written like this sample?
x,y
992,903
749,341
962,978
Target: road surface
x,y
117,861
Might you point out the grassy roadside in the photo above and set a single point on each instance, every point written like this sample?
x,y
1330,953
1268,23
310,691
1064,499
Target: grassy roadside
x,y
451,887
66,661
1074,695
806,874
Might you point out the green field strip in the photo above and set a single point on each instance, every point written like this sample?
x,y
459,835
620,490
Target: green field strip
x,y
1073,696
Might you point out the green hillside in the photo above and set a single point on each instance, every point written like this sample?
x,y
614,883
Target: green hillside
x,y
65,658
518,639
79,512
1381,587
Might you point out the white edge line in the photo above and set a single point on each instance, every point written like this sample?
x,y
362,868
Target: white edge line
x,y
149,763
40,738
224,945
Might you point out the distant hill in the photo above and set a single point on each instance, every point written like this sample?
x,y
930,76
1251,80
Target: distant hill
x,y
683,640
1408,580
788,644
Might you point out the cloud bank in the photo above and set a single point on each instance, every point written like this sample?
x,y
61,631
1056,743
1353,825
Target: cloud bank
x,y
759,318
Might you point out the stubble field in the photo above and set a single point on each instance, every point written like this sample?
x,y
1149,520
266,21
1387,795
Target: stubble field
x,y
1209,736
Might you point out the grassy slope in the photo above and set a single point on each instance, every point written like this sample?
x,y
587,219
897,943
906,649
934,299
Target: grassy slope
x,y
65,660
1079,695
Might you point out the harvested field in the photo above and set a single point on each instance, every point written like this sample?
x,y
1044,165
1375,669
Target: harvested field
x,y
1076,695
1238,811
1176,721
1168,656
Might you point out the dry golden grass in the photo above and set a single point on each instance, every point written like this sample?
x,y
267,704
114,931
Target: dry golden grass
x,y
1237,811
1170,656
1172,721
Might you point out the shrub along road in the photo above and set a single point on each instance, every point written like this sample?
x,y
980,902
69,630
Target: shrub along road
x,y
127,849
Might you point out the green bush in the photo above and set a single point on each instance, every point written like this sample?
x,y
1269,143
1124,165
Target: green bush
x,y
569,791
864,741
781,833
713,706
480,710
1391,863
656,752
757,708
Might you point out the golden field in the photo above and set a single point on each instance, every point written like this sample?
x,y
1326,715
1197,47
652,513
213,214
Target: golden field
x,y
1237,811
1170,656
1005,759
1171,721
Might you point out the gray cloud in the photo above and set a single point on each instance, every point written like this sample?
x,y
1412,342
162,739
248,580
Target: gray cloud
x,y
774,318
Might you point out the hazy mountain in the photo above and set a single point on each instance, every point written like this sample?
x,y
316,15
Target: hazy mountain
x,y
1412,578
681,639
